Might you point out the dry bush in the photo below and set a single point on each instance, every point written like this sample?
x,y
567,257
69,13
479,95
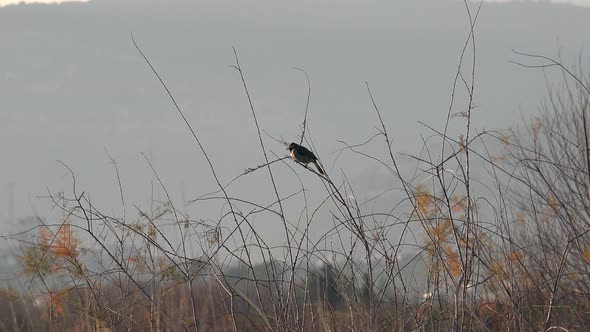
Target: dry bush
x,y
489,233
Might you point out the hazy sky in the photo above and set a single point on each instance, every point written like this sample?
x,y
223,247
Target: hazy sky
x,y
72,86
11,2
574,2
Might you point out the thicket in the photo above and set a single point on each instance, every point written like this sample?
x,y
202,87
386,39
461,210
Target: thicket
x,y
498,219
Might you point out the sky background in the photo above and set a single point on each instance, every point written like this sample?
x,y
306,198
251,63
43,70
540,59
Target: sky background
x,y
72,86
12,2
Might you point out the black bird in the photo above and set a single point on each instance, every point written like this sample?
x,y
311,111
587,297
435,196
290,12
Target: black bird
x,y
304,156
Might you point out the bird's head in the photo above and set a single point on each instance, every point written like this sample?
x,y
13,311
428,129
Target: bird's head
x,y
292,146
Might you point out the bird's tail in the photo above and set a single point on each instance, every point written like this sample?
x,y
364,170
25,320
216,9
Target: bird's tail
x,y
318,167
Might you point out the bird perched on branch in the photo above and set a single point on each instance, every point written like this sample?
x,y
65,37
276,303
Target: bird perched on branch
x,y
304,156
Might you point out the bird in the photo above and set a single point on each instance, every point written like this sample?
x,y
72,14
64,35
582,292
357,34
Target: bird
x,y
304,156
